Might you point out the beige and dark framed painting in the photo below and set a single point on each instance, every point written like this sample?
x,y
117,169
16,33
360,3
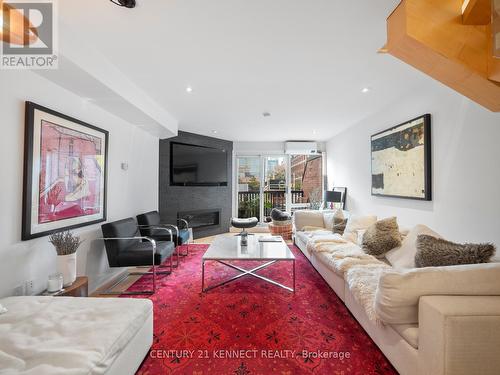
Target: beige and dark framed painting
x,y
401,160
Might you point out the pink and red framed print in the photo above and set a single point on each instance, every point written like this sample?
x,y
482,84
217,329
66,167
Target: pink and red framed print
x,y
65,169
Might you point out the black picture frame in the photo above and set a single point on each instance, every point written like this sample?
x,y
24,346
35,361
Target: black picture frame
x,y
27,232
427,158
342,190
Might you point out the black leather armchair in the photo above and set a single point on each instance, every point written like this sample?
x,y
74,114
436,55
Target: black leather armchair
x,y
150,225
126,247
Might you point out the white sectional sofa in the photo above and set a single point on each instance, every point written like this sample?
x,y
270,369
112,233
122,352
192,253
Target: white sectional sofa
x,y
427,321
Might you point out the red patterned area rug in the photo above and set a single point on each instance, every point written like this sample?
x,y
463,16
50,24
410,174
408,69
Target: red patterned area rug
x,y
250,327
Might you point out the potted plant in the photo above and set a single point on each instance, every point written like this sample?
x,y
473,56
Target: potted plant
x,y
66,245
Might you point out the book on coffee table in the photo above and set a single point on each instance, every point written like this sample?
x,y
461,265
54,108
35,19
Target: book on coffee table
x,y
270,239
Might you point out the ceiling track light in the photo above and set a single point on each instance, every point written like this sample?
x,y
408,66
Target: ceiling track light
x,y
124,3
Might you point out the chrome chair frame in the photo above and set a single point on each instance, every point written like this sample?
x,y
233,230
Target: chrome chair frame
x,y
166,227
187,243
154,272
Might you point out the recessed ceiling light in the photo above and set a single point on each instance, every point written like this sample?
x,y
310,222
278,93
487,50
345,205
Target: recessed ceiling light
x,y
314,131
365,90
214,131
189,89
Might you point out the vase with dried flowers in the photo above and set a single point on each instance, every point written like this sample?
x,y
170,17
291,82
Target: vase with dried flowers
x,y
315,199
66,244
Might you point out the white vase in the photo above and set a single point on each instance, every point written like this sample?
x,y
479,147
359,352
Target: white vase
x,y
66,265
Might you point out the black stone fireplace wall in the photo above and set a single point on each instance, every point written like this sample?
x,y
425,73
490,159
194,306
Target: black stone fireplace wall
x,y
174,199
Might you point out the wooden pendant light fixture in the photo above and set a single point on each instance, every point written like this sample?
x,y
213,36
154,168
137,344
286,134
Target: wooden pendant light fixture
x,y
457,42
495,27
15,28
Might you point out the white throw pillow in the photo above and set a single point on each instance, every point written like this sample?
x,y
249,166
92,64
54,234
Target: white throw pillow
x,y
398,292
312,218
3,310
360,233
329,218
356,223
404,255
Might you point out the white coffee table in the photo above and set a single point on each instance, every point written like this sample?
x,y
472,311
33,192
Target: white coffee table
x,y
225,249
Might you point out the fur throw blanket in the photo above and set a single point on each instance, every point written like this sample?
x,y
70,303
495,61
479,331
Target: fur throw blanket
x,y
342,257
337,245
345,264
322,238
361,271
363,282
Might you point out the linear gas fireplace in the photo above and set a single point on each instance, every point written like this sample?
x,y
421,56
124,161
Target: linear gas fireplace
x,y
199,219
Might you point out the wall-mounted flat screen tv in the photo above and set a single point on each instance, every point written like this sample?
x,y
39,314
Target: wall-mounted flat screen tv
x,y
192,165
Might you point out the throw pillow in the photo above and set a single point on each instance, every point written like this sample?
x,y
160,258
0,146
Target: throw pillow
x,y
404,256
339,226
304,218
3,310
381,237
435,252
331,219
356,223
328,220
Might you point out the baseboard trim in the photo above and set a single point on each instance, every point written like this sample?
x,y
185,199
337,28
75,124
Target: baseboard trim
x,y
108,282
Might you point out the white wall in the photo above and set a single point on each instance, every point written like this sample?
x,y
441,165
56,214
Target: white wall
x,y
465,162
129,192
264,148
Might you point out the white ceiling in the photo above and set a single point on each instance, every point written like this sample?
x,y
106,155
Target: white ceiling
x,y
304,61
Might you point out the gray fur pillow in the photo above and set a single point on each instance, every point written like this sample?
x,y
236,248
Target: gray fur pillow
x,y
339,225
435,252
381,237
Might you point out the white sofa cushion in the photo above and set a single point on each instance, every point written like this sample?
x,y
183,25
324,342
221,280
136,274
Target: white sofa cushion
x,y
355,224
362,282
311,218
404,255
398,292
409,332
303,236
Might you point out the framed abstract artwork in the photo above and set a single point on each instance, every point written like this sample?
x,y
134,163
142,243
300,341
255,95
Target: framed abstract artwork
x,y
65,169
401,160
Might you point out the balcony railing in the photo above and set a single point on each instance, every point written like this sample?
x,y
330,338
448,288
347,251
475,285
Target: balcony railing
x,y
249,202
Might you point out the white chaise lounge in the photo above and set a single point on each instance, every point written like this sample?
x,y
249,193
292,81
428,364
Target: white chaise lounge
x,y
67,335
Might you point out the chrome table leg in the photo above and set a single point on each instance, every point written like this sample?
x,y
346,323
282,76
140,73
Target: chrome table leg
x,y
203,276
244,272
